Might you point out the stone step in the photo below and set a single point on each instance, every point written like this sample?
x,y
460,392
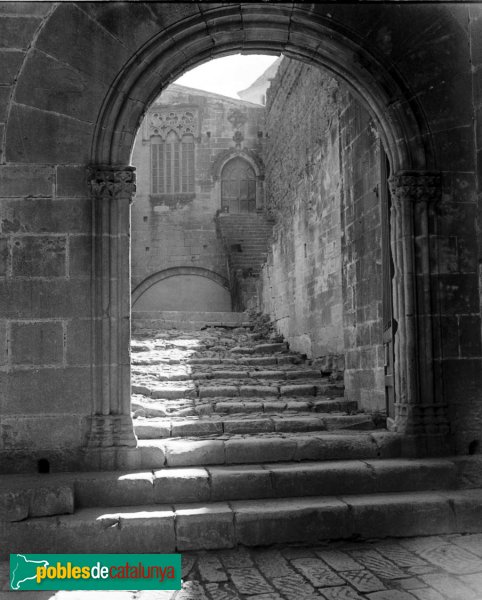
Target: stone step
x,y
285,359
265,348
26,496
267,447
186,321
248,256
145,407
256,375
144,326
252,245
204,316
230,389
255,240
160,357
249,251
233,223
188,372
257,236
237,245
222,483
235,233
253,263
167,528
286,480
253,221
155,428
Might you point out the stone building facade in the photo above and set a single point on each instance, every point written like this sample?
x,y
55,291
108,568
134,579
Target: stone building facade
x,y
192,148
68,120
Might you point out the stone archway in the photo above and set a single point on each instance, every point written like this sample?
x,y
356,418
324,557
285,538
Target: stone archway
x,y
252,159
299,35
176,272
227,155
238,187
414,187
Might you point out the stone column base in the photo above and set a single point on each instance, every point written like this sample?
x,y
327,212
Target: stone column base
x,y
109,431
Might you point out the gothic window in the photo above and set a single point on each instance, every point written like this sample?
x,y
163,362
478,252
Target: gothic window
x,y
172,164
238,187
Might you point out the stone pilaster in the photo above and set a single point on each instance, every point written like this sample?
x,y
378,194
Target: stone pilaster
x,y
417,411
112,191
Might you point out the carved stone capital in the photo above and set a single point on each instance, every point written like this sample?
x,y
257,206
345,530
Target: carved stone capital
x,y
112,183
415,186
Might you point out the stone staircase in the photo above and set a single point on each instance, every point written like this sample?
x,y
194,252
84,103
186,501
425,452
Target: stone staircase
x,y
240,442
245,237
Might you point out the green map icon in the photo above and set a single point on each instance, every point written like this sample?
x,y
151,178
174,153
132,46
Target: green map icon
x,y
23,569
95,572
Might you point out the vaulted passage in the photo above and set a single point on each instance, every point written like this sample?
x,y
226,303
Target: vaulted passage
x,y
364,180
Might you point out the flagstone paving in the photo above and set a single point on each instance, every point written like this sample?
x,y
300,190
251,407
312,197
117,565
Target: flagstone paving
x,y
447,567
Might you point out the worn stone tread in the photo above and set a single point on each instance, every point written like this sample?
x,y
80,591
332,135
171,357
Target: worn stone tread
x,y
217,424
267,447
234,388
233,482
143,406
171,527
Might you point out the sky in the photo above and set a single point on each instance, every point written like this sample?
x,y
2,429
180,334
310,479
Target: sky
x,y
227,75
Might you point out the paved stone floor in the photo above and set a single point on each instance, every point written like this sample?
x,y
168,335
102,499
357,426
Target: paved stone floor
x,y
445,567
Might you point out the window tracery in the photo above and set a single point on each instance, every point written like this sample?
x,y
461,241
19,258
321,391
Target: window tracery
x,y
172,164
172,132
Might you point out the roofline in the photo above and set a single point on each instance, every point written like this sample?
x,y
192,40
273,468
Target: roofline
x,y
183,88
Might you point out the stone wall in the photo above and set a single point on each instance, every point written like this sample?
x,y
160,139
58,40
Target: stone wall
x,y
45,307
302,288
179,230
322,281
361,255
65,106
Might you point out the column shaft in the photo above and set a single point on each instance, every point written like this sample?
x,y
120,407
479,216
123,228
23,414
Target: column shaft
x,y
112,191
417,411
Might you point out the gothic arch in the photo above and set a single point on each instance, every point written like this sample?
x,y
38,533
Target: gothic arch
x,y
248,155
297,34
142,70
404,133
72,105
252,159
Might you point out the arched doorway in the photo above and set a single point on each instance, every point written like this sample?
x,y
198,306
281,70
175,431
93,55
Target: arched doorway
x,y
238,187
403,134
